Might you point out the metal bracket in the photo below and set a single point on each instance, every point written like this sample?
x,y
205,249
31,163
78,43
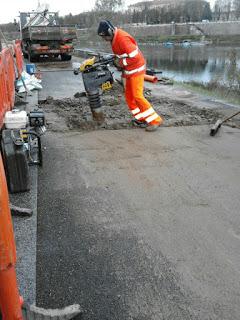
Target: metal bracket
x,y
20,212
31,312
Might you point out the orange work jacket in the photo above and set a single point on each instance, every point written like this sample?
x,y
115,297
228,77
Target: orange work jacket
x,y
125,47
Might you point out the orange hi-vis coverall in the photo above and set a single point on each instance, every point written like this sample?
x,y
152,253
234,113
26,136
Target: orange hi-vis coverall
x,y
133,63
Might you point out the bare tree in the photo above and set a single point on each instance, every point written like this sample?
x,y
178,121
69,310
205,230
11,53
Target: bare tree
x,y
196,10
236,8
108,5
223,9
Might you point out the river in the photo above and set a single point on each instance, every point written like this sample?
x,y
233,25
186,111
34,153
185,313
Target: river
x,y
198,63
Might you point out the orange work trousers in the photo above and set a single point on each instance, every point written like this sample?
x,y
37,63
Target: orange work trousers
x,y
139,106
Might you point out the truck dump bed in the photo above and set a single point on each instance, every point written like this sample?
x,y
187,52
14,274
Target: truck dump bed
x,y
48,33
45,26
42,33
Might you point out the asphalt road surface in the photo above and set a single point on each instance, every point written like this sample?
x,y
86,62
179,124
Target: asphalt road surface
x,y
141,226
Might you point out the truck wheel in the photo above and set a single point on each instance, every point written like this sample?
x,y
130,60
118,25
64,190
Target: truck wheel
x,y
66,57
33,57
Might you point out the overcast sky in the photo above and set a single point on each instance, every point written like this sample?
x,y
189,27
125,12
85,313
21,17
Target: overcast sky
x,y
11,8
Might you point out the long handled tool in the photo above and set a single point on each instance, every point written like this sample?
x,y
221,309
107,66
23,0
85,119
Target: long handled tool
x,y
218,124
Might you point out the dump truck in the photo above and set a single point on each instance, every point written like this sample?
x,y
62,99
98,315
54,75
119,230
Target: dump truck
x,y
42,35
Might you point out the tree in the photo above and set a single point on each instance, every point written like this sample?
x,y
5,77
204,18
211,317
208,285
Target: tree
x,y
236,7
136,17
223,9
207,13
108,5
153,16
195,10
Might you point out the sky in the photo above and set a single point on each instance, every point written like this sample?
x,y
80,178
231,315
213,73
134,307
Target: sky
x,y
11,8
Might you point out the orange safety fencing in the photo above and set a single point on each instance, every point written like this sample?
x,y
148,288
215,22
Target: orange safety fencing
x,y
8,63
19,59
4,106
10,300
8,77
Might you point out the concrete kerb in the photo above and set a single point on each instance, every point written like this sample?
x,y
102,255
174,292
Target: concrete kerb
x,y
25,228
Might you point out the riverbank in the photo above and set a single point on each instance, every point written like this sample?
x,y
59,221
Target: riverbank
x,y
215,32
200,39
213,90
161,39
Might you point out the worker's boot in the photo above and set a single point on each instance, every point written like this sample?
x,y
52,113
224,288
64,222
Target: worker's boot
x,y
140,124
153,127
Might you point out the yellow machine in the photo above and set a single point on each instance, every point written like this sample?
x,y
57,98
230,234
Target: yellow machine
x,y
95,73
96,77
87,63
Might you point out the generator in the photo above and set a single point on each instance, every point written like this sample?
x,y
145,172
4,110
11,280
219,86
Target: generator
x,y
21,146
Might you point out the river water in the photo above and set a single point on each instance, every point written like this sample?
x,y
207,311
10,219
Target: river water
x,y
198,63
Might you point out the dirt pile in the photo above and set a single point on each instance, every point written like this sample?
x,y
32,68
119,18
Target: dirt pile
x,y
76,114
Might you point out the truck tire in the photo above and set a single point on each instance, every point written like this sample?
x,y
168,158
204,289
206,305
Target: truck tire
x,y
66,57
33,57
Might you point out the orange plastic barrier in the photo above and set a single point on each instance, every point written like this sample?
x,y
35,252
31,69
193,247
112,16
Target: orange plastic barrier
x,y
19,57
3,93
10,301
153,79
10,77
7,79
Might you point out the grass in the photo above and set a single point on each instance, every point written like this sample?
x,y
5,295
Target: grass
x,y
214,90
232,39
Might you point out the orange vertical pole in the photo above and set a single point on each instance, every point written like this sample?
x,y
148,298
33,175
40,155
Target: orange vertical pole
x,y
19,58
9,295
10,304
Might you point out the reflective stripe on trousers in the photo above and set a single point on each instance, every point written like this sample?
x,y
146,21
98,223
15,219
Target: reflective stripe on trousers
x,y
139,106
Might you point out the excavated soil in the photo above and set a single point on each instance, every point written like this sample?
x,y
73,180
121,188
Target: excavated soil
x,y
75,113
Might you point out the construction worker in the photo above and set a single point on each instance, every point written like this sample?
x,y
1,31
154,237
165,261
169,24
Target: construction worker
x,y
132,63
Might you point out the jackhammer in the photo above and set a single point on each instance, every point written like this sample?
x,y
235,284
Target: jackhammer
x,y
97,78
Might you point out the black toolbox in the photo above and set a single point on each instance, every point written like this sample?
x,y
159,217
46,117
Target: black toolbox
x,y
15,161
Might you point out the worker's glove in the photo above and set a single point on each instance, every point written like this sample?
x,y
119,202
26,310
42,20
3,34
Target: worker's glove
x,y
116,63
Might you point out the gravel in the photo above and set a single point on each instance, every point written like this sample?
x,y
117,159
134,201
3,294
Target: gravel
x,y
77,115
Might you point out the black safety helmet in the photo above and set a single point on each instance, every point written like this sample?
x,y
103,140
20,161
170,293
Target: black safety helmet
x,y
105,28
